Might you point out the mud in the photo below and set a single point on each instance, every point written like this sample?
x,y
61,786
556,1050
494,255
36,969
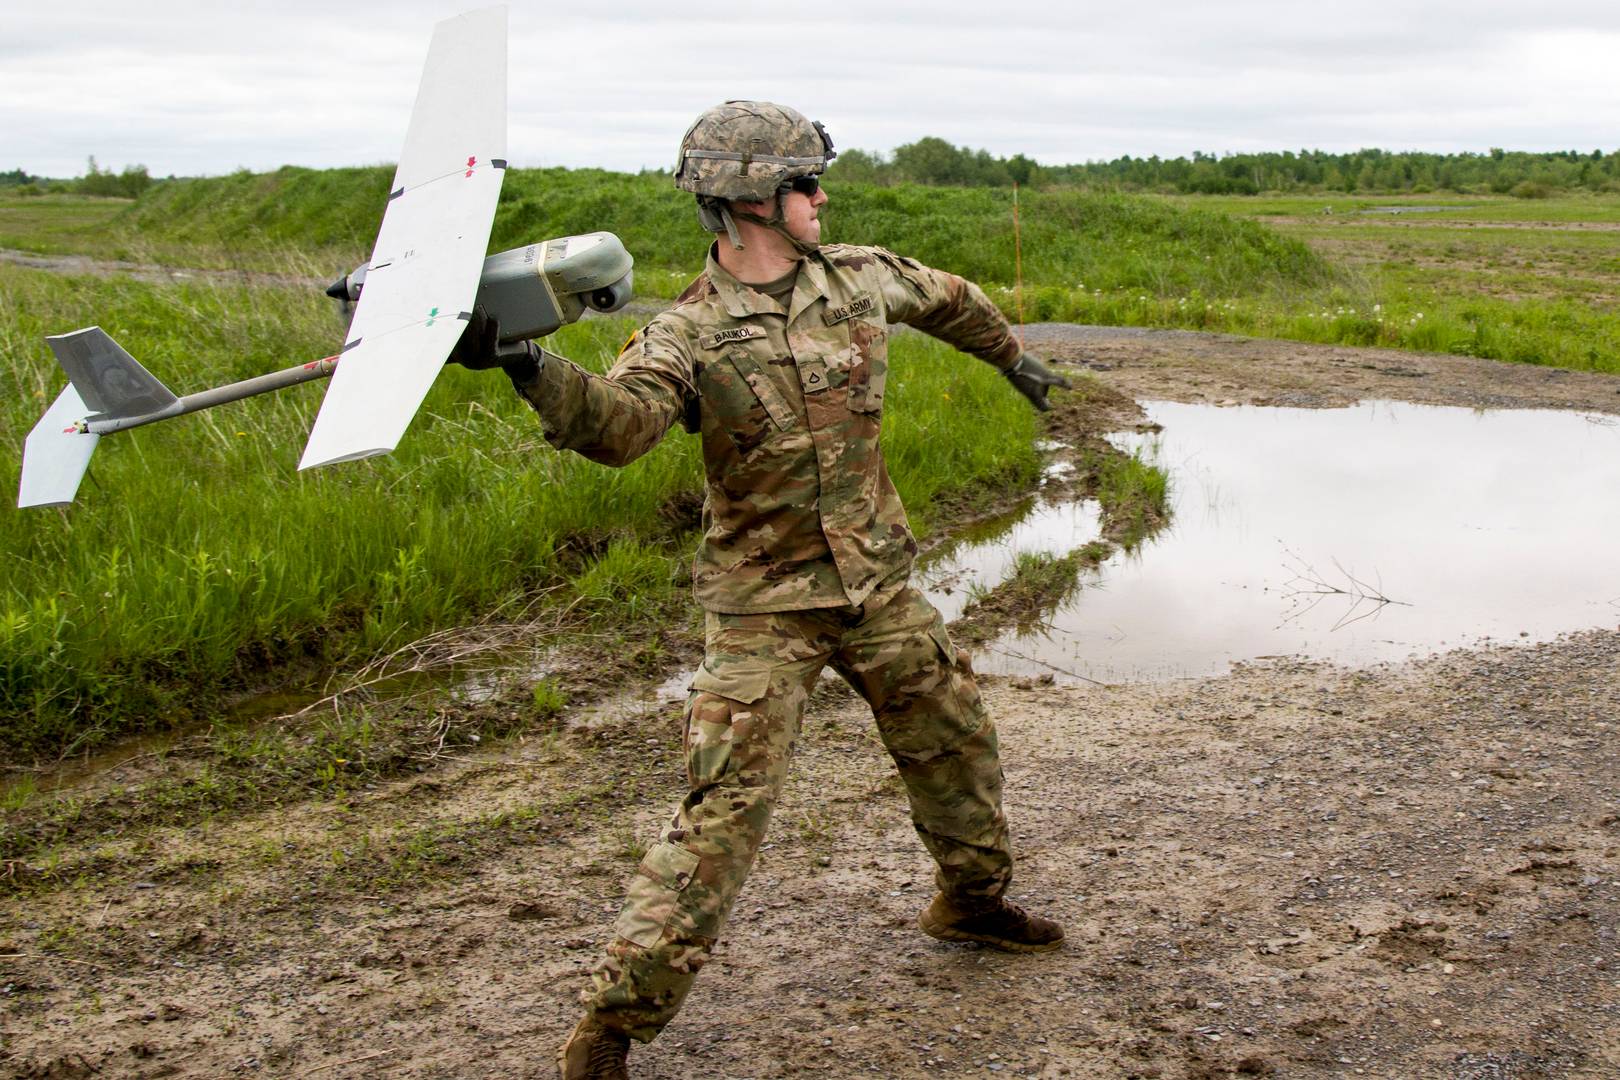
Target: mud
x,y
1290,870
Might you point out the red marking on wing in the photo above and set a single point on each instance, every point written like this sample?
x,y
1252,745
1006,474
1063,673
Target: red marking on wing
x,y
470,163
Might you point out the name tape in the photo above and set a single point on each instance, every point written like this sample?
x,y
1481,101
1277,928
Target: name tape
x,y
734,333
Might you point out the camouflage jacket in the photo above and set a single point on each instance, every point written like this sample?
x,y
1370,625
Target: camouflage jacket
x,y
800,512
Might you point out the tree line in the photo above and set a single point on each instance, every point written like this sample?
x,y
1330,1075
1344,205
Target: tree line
x,y
126,183
935,161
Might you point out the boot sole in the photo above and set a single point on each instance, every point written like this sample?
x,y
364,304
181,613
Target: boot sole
x,y
946,933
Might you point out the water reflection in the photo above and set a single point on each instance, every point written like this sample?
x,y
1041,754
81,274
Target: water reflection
x,y
1477,525
952,577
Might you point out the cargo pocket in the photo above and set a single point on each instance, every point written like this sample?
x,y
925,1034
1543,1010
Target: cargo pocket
x,y
655,893
942,638
716,716
964,688
744,684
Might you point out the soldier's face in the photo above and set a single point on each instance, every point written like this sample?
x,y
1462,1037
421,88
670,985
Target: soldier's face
x,y
800,214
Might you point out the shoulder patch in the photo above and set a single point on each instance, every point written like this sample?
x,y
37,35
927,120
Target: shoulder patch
x,y
730,334
700,287
629,341
858,306
848,257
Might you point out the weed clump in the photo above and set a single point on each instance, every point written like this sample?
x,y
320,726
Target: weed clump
x,y
548,699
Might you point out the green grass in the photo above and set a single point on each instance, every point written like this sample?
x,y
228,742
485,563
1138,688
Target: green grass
x,y
198,559
1134,494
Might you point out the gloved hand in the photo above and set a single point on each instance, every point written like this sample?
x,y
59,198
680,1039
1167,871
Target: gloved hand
x,y
479,349
1032,379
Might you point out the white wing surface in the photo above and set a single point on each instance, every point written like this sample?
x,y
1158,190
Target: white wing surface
x,y
424,271
55,455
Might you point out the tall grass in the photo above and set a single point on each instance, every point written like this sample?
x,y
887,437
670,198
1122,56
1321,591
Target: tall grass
x,y
197,555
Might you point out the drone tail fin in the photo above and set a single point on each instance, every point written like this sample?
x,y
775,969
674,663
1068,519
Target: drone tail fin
x,y
104,383
108,379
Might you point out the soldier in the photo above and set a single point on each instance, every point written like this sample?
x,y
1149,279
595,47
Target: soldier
x,y
776,357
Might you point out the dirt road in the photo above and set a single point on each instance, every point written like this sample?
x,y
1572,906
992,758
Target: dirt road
x,y
1291,870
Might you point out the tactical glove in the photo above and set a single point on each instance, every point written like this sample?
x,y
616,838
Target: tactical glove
x,y
480,348
1032,379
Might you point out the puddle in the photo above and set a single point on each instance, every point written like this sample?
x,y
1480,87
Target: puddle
x,y
1476,526
954,577
636,701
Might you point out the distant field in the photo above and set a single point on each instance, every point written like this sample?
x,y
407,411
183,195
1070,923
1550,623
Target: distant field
x,y
1535,280
58,224
1578,207
1511,249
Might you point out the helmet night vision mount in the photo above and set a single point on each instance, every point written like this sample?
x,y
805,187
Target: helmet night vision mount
x,y
427,281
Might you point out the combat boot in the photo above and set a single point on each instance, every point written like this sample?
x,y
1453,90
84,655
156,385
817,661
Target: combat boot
x,y
594,1052
1003,925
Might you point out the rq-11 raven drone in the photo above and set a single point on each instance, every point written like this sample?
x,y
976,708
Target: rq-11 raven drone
x,y
427,279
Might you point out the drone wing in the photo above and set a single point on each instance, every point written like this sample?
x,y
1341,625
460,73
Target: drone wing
x,y
424,271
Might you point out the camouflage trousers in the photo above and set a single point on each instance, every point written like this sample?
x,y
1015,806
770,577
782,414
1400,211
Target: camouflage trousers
x,y
742,720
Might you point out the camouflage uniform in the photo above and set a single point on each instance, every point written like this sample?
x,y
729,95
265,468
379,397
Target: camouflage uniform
x,y
804,562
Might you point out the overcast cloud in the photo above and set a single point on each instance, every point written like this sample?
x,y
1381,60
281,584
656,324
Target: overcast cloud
x,y
200,89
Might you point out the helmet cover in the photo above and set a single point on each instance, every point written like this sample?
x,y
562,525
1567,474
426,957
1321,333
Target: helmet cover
x,y
746,150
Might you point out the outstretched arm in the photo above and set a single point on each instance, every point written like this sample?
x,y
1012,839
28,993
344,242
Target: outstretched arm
x,y
957,312
612,418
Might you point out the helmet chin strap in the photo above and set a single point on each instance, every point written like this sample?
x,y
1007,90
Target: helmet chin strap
x,y
776,223
731,226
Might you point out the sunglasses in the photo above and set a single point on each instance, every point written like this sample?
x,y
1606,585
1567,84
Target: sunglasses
x,y
804,185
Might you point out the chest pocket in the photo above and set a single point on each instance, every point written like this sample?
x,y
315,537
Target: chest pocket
x,y
747,408
869,364
765,391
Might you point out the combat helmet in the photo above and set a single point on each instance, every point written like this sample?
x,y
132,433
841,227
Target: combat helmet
x,y
748,151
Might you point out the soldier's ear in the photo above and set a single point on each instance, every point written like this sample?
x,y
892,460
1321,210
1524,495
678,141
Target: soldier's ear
x,y
759,209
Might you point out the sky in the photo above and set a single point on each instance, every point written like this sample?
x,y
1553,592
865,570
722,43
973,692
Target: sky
x,y
199,89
